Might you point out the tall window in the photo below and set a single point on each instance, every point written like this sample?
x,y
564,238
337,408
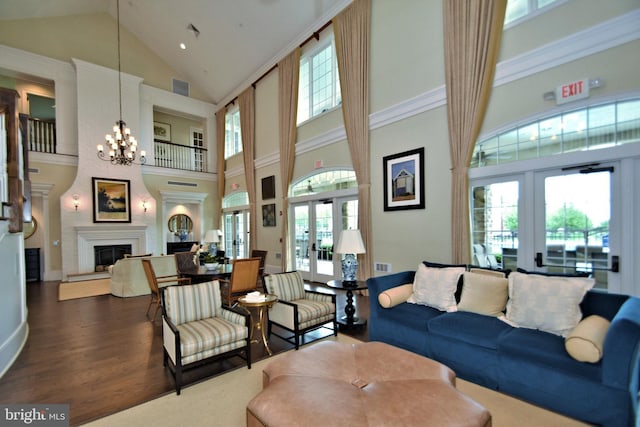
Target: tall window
x,y
319,86
232,134
518,10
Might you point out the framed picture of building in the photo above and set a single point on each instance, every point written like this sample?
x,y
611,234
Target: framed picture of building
x,y
403,176
111,200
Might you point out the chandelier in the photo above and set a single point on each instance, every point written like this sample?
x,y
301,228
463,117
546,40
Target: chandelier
x,y
121,144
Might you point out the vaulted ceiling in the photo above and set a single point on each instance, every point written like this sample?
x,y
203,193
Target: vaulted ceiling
x,y
235,43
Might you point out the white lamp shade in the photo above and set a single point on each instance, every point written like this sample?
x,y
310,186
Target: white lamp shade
x,y
350,242
212,236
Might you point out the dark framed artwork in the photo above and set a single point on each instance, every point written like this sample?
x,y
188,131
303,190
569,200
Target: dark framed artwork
x,y
269,187
404,180
269,215
111,200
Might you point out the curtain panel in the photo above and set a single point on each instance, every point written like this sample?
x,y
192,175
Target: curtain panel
x,y
288,74
352,29
220,124
472,35
247,129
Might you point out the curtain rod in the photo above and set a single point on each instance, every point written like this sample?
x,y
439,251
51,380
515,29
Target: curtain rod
x,y
315,35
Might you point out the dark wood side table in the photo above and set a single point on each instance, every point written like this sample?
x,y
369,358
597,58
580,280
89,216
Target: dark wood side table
x,y
349,320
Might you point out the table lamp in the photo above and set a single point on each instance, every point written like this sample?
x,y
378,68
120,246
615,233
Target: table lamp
x,y
350,244
212,237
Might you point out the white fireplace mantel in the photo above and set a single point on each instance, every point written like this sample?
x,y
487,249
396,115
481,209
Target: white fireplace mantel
x,y
89,237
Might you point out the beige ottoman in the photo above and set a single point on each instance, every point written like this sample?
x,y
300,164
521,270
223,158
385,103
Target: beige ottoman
x,y
368,384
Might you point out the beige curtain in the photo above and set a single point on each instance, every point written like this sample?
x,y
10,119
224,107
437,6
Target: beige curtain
x,y
288,71
472,34
220,124
351,28
247,129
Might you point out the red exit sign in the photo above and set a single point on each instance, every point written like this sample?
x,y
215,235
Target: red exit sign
x,y
572,91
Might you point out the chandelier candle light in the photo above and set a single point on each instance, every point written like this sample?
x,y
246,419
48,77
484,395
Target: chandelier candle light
x,y
122,145
350,244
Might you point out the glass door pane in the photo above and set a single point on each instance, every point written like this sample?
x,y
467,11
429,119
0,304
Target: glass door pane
x,y
324,241
577,214
236,234
301,237
494,225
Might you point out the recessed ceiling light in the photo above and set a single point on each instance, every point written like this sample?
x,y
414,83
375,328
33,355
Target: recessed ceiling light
x,y
183,46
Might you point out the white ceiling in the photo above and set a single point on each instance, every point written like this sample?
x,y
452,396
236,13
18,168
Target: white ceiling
x,y
239,40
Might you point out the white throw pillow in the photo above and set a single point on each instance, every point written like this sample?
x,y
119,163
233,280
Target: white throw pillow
x,y
436,287
547,303
484,294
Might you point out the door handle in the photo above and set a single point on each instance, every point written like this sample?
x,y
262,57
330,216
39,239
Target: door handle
x,y
313,247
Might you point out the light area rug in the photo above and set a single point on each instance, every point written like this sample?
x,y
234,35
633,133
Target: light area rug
x,y
83,289
222,402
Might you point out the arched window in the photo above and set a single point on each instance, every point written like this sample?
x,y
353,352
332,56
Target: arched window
x,y
322,182
241,198
585,129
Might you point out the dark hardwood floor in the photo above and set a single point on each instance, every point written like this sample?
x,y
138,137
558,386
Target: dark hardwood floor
x,y
101,354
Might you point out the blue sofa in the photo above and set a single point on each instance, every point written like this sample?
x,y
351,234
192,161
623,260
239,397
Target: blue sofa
x,y
525,363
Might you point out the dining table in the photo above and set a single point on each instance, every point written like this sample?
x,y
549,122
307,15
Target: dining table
x,y
202,274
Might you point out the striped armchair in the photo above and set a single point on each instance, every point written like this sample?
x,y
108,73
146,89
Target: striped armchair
x,y
298,310
196,328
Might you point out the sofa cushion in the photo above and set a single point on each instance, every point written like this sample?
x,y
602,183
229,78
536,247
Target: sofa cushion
x,y
394,296
484,294
533,347
436,287
586,341
551,304
471,328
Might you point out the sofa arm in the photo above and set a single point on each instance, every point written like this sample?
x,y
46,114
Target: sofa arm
x,y
621,353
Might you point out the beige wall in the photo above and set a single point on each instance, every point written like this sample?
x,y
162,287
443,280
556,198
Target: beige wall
x,y
63,38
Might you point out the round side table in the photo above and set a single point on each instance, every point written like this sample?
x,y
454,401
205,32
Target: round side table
x,y
349,320
262,306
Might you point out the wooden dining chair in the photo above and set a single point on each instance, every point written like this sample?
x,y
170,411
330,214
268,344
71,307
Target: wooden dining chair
x,y
154,285
244,279
257,253
185,262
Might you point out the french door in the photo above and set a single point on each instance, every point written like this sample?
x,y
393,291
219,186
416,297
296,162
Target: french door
x,y
575,226
236,234
558,221
316,228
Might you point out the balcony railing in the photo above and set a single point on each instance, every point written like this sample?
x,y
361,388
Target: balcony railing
x,y
42,139
176,156
42,136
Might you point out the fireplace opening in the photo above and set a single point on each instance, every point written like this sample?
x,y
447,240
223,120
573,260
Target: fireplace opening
x,y
108,255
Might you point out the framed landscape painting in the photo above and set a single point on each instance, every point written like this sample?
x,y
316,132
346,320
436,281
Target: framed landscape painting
x,y
404,180
162,131
111,200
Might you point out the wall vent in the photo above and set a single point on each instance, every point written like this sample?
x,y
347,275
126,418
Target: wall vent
x,y
382,267
180,87
184,184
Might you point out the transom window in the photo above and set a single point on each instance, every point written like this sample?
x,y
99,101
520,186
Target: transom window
x,y
319,85
241,198
591,128
334,180
519,10
232,134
